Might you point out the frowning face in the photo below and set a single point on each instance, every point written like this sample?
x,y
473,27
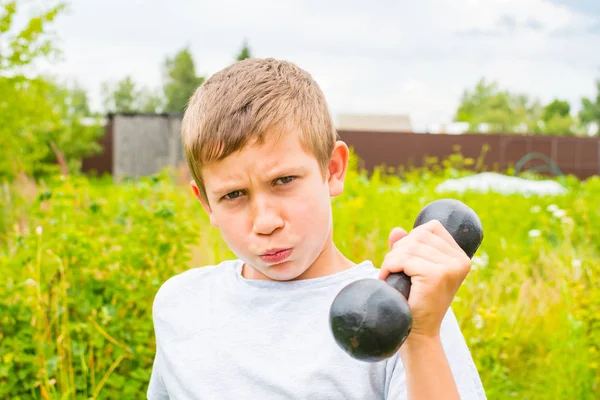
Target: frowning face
x,y
273,207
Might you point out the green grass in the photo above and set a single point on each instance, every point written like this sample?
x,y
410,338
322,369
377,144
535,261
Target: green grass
x,y
81,261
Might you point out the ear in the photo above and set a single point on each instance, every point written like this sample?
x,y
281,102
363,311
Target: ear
x,y
204,203
337,168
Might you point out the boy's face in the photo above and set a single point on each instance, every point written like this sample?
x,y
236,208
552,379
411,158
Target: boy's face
x,y
273,196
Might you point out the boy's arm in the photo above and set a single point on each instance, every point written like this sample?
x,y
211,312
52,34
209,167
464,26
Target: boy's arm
x,y
437,267
457,356
428,373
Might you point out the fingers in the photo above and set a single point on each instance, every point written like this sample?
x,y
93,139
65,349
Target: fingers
x,y
429,264
409,264
429,243
434,226
395,235
432,232
423,249
425,234
413,257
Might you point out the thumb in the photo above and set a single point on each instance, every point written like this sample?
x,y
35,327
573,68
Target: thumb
x,y
395,235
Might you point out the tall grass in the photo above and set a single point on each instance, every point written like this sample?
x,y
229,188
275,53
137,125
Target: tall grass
x,y
81,260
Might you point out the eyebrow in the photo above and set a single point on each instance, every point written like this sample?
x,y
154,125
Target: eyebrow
x,y
279,173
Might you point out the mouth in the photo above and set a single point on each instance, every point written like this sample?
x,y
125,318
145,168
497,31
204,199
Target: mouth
x,y
276,255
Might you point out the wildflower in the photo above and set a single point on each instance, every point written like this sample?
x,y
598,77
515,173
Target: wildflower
x,y
559,213
39,230
577,272
477,321
535,233
30,282
567,221
552,208
535,209
480,261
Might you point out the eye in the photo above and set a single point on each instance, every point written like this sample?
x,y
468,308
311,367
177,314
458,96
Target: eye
x,y
233,195
286,179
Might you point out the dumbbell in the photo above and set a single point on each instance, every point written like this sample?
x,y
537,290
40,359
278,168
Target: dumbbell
x,y
370,318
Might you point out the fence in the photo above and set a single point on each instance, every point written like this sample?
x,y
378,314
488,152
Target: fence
x,y
141,144
136,145
572,155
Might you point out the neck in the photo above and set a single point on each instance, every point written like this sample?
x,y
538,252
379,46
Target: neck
x,y
329,262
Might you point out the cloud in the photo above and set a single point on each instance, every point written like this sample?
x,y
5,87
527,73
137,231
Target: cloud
x,y
523,17
385,56
534,24
507,21
588,7
594,29
506,25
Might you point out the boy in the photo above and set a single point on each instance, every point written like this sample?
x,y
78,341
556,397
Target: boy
x,y
265,162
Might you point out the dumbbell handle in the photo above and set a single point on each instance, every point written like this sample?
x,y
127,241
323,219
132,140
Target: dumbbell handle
x,y
462,223
401,282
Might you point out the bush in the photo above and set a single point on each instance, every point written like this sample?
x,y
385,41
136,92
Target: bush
x,y
82,259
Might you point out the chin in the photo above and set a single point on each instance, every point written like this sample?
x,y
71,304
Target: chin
x,y
286,271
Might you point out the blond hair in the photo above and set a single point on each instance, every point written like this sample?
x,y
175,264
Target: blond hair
x,y
245,100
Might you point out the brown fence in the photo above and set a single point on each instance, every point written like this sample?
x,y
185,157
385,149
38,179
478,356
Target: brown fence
x,y
571,155
102,163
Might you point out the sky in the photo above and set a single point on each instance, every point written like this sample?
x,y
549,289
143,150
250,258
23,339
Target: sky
x,y
381,56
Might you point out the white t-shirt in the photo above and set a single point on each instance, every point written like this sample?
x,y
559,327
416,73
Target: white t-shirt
x,y
222,336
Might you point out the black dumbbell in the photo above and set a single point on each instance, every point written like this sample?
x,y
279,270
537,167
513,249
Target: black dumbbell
x,y
369,318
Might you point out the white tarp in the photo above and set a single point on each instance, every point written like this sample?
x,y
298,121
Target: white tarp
x,y
494,182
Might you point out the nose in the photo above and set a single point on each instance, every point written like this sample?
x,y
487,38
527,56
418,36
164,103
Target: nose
x,y
267,218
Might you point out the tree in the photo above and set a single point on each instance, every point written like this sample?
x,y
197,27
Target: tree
x,y
150,101
120,97
486,108
79,128
180,80
590,109
557,108
40,118
244,52
556,119
126,97
29,44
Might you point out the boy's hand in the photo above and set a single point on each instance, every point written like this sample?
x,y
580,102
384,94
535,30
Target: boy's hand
x,y
437,267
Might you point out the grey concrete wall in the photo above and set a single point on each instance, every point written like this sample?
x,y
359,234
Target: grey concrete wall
x,y
145,144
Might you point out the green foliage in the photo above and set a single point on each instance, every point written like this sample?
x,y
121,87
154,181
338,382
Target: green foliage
x,y
557,108
76,292
41,119
488,109
501,111
590,108
180,80
24,46
126,97
244,52
558,125
78,130
179,83
557,120
81,262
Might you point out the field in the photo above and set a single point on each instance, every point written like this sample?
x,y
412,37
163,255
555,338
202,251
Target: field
x,y
81,260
